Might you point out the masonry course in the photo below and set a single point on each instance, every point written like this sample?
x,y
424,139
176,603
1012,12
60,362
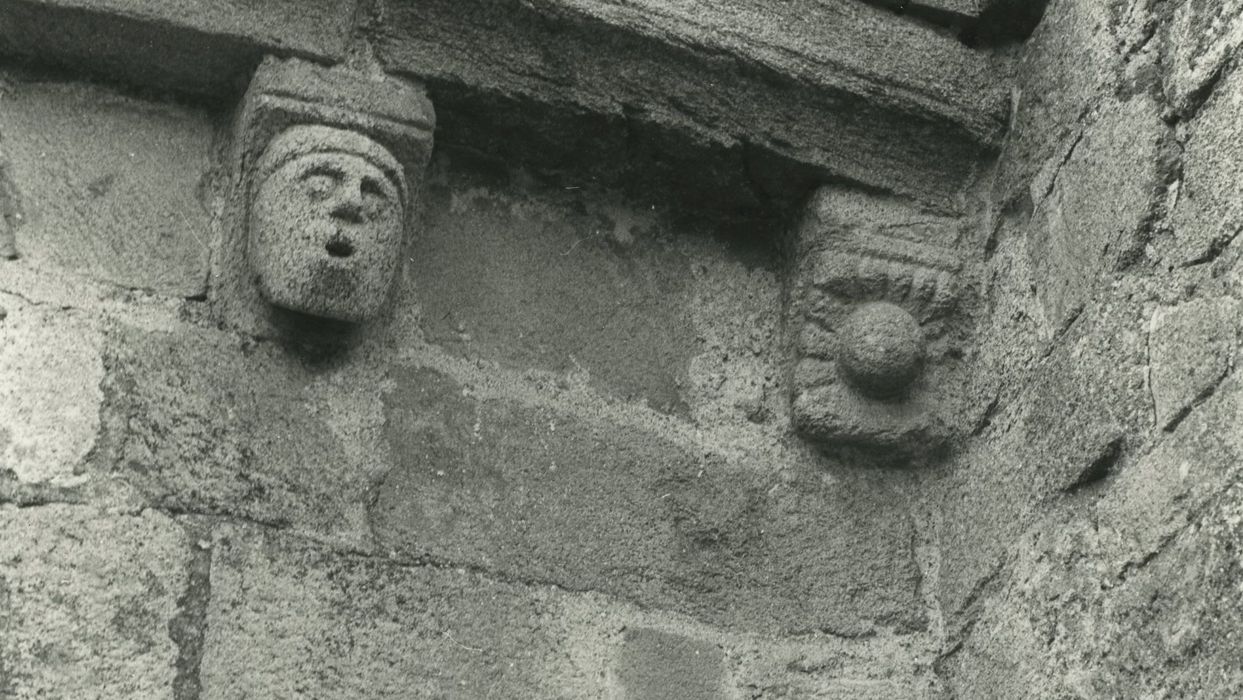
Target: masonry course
x,y
563,461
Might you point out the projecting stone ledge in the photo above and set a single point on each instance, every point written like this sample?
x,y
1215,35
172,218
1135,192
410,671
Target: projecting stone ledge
x,y
767,94
835,87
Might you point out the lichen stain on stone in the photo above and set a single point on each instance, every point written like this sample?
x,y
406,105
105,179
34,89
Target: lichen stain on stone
x,y
188,628
10,210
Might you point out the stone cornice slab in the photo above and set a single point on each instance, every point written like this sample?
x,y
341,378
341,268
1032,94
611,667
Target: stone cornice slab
x,y
831,89
845,89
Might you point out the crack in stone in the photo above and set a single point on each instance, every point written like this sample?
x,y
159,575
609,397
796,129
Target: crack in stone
x,y
1204,92
1193,521
1070,153
1152,394
14,491
968,615
276,524
1216,247
40,304
347,552
1100,469
1200,398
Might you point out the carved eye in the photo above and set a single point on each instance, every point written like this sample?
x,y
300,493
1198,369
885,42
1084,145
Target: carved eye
x,y
375,197
318,183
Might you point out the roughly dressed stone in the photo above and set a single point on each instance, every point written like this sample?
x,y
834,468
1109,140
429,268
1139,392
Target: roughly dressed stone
x,y
88,603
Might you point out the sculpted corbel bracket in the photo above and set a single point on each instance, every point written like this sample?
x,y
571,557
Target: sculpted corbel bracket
x,y
882,334
330,163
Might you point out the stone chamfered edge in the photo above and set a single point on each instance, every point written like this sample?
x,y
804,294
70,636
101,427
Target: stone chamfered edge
x,y
807,91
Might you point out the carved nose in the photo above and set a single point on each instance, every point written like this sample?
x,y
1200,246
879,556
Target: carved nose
x,y
348,204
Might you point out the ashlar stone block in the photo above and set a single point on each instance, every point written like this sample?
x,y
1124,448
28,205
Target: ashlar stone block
x,y
88,602
105,186
50,371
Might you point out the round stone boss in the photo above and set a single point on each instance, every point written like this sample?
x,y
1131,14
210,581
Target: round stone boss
x,y
881,349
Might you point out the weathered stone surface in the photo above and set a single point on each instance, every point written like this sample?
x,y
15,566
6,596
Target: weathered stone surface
x,y
50,368
1202,35
1064,626
738,371
572,286
1191,348
1094,204
1051,99
88,601
1168,489
1090,393
657,665
187,46
342,625
895,667
848,77
203,422
1083,546
1209,213
1080,56
108,185
1135,598
1065,432
587,503
336,626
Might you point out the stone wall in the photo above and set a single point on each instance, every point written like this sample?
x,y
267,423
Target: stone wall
x,y
561,468
1089,536
563,463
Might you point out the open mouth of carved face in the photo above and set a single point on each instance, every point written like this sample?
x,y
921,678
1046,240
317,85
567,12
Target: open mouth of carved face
x,y
339,246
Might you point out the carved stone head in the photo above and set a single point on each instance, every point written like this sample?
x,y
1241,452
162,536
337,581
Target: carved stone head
x,y
329,163
327,222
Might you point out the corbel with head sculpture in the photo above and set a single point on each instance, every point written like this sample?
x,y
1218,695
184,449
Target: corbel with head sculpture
x,y
329,165
882,346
